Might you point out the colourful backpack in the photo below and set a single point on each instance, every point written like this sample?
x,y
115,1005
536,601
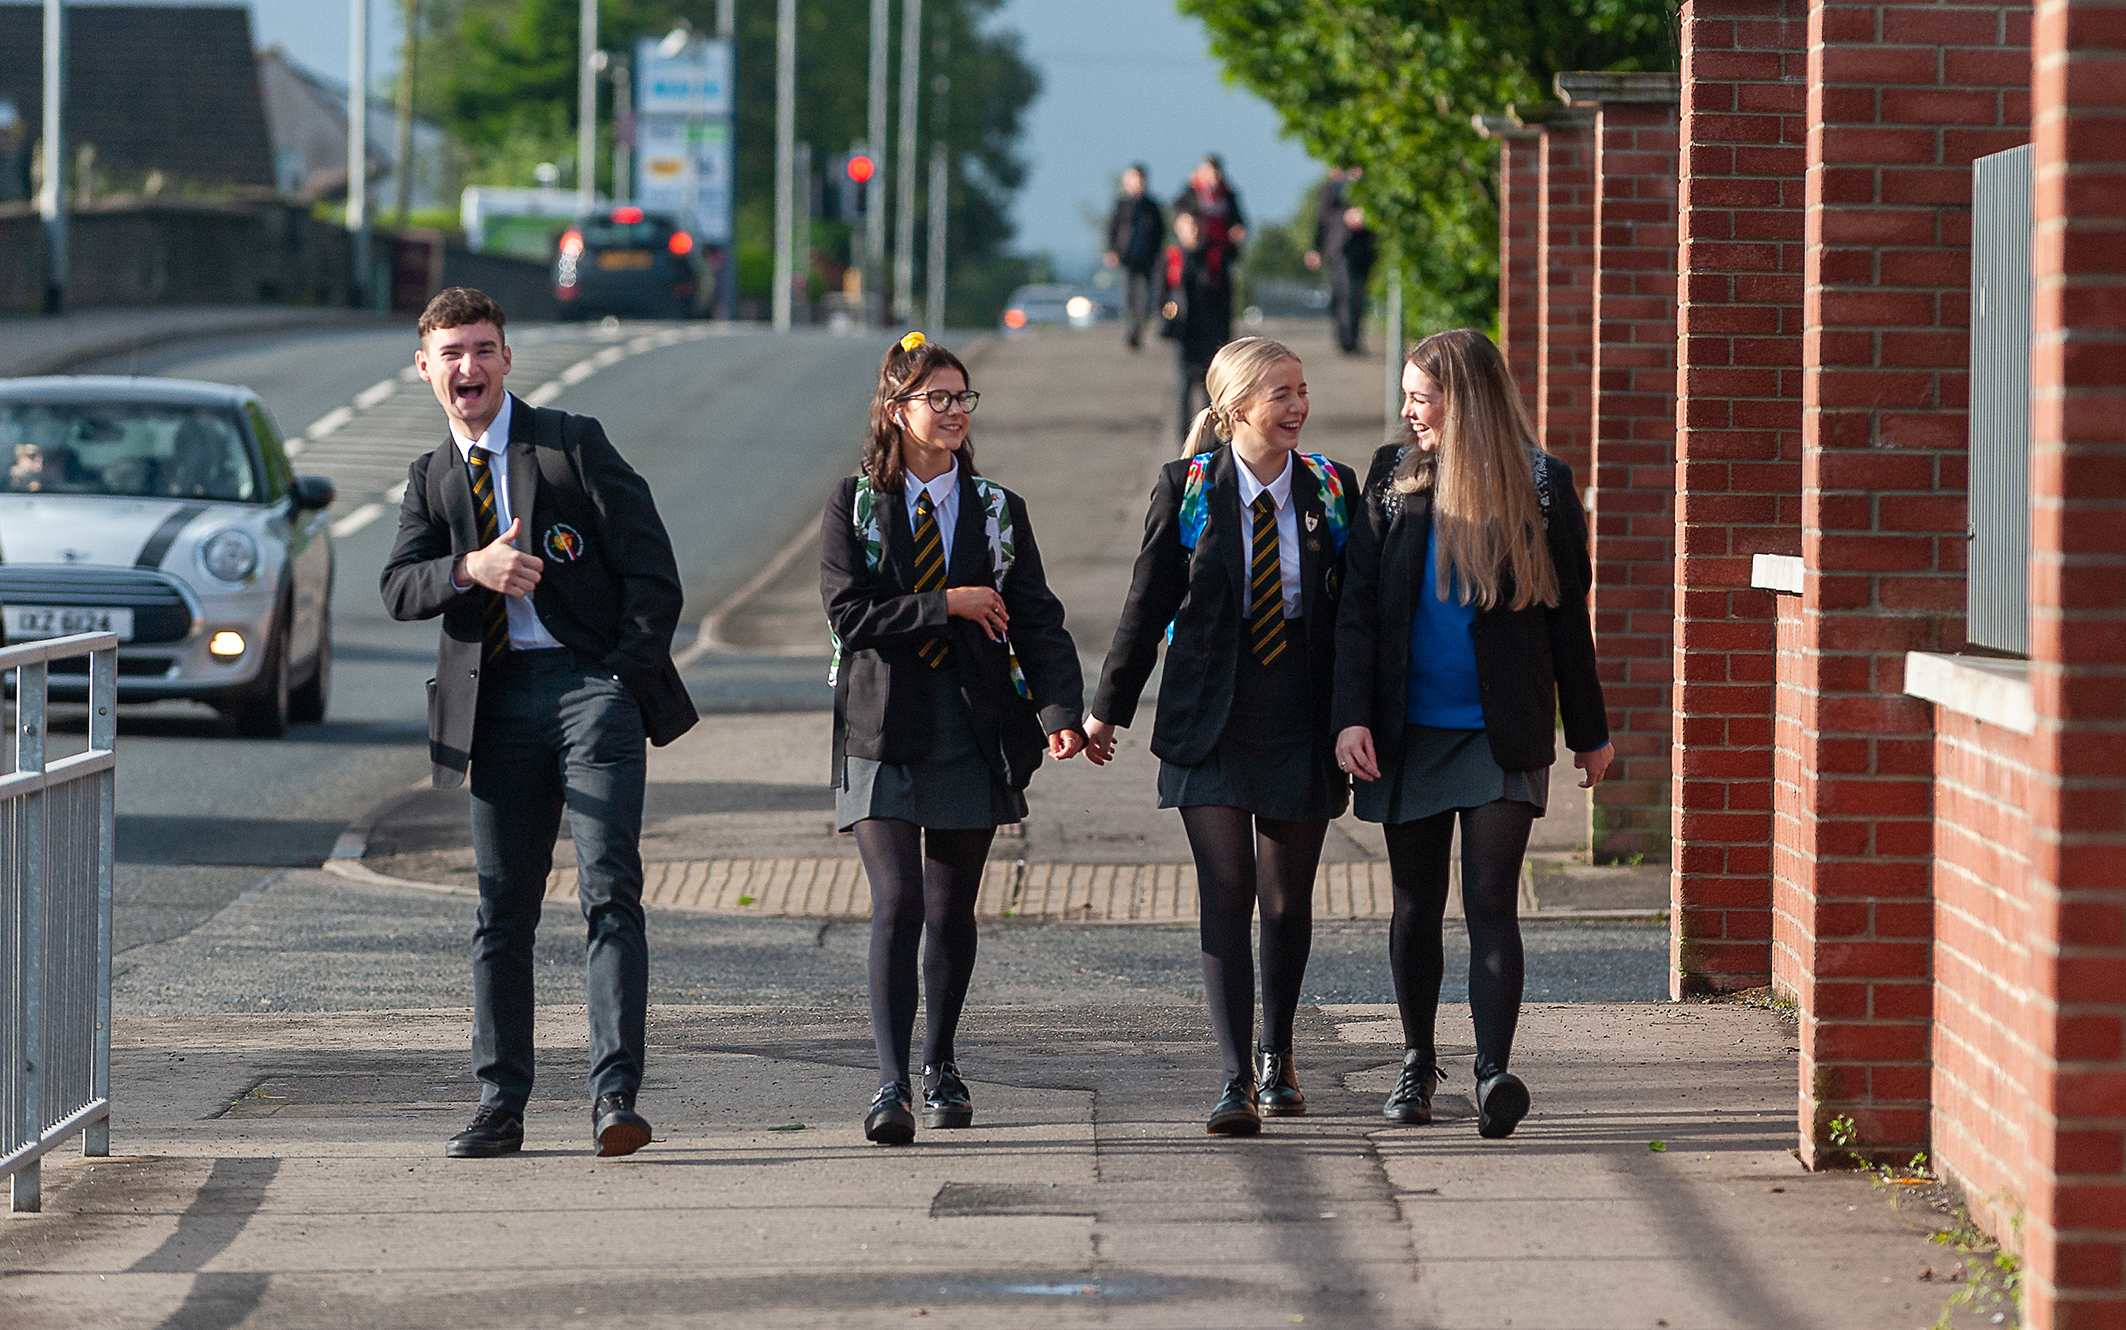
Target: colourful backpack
x,y
1196,508
996,526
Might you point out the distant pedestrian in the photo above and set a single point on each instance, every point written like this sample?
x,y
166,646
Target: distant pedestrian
x,y
1330,203
1195,310
1216,204
1463,634
1134,231
1349,271
553,668
1242,556
952,663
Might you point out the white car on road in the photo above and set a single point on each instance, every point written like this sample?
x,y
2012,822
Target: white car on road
x,y
165,511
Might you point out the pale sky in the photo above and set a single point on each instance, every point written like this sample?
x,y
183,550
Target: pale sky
x,y
1126,80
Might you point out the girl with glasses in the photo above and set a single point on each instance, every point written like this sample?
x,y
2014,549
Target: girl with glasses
x,y
952,664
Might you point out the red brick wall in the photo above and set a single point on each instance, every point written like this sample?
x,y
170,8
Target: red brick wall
x,y
1520,180
1793,940
1565,289
1901,98
1738,467
2076,1235
1982,1049
1632,510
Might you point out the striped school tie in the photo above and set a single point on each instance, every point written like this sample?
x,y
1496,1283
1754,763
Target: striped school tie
x,y
930,572
1266,585
494,629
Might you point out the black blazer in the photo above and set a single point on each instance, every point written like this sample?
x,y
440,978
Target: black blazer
x,y
609,591
882,698
1204,596
1531,665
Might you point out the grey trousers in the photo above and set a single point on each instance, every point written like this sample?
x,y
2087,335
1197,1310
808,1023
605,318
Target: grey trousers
x,y
554,738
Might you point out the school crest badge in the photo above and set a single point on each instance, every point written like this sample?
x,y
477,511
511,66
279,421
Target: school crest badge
x,y
563,543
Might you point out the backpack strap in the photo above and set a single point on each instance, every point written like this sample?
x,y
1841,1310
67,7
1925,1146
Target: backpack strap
x,y
1195,504
1335,504
557,463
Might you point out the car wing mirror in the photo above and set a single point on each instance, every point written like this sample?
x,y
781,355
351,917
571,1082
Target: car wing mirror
x,y
313,492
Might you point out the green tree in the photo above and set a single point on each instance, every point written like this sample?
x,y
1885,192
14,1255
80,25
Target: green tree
x,y
1390,86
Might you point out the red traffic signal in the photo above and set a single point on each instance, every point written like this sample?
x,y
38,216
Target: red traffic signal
x,y
861,168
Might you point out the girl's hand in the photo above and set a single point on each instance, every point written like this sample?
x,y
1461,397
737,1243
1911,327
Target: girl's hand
x,y
1595,764
1065,744
1354,753
981,604
1099,742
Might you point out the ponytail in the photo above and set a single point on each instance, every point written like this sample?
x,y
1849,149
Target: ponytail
x,y
1203,435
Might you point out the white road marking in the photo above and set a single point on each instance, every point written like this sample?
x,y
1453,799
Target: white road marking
x,y
293,447
374,393
356,520
329,422
543,394
397,493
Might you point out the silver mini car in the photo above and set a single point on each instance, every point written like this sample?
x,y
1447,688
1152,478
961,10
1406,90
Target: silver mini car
x,y
165,511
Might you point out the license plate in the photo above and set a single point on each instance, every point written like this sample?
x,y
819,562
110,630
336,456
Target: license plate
x,y
613,259
30,621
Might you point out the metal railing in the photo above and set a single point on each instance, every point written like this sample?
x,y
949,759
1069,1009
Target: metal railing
x,y
57,843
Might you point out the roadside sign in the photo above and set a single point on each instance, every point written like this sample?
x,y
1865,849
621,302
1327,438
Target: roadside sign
x,y
683,160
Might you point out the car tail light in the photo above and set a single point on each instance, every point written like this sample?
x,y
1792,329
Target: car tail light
x,y
572,243
1014,319
681,243
627,216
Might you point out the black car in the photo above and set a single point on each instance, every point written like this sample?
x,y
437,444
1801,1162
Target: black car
x,y
627,261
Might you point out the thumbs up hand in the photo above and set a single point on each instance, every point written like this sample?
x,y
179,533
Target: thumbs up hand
x,y
502,566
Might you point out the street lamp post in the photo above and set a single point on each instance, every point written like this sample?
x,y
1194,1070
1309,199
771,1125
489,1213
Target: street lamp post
x,y
904,205
51,197
622,73
875,140
402,168
785,155
358,144
587,108
1392,340
727,271
940,179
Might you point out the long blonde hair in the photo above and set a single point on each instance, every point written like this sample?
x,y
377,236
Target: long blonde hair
x,y
1484,505
1235,373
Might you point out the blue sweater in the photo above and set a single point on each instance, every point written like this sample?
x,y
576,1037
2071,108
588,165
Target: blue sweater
x,y
1443,687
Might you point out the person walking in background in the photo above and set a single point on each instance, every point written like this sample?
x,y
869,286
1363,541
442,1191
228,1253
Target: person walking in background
x,y
1134,231
952,663
1195,310
551,672
1348,273
1463,632
1330,203
1242,556
1217,207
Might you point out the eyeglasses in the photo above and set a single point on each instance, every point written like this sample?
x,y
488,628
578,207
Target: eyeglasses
x,y
939,399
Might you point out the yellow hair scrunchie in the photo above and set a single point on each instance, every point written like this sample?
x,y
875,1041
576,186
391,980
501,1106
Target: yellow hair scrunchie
x,y
912,341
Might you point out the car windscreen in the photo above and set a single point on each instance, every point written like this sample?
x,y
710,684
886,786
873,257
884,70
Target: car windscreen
x,y
136,449
624,235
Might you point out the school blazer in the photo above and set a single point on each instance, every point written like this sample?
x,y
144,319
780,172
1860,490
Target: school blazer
x,y
1532,665
1203,594
882,697
609,590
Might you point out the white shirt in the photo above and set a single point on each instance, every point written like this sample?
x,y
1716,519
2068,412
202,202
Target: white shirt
x,y
526,633
944,494
1280,492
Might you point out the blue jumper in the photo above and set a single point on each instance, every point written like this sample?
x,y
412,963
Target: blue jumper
x,y
1443,686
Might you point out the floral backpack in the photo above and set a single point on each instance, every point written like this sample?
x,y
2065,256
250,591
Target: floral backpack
x,y
996,526
1196,508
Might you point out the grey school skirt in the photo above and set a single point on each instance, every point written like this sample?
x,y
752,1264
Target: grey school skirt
x,y
1270,760
952,789
1442,770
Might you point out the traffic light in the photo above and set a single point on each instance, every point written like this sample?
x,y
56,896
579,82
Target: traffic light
x,y
853,172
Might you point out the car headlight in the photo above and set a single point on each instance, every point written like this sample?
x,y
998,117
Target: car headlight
x,y
229,555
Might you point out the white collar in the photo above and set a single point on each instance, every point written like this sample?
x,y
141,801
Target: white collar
x,y
1280,489
496,437
938,486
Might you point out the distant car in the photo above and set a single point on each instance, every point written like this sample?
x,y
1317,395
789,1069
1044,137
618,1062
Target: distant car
x,y
165,511
627,261
1053,302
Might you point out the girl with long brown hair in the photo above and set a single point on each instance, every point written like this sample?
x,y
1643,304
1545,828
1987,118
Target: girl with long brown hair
x,y
951,664
1463,634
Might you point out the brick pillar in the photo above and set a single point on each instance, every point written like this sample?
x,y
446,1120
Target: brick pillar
x,y
1520,177
1565,286
2075,1238
1738,469
1632,415
1901,98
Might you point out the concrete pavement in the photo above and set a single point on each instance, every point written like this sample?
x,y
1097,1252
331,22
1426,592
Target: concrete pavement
x,y
55,345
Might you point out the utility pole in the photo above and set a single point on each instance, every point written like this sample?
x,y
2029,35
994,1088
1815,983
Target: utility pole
x,y
785,154
409,61
904,205
940,177
1392,340
51,198
621,65
801,244
727,271
587,108
875,141
358,144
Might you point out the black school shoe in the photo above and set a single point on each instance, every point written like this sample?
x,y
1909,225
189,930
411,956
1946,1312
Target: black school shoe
x,y
493,1131
1410,1102
946,1101
1236,1114
1277,1085
1501,1103
616,1126
890,1121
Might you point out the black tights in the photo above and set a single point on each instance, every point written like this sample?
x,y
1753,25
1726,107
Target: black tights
x,y
1494,839
919,876
1243,860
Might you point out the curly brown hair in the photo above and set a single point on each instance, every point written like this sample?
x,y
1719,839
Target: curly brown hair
x,y
900,373
457,306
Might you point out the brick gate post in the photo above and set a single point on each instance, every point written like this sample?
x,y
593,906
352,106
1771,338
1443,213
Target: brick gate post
x,y
1565,285
1520,179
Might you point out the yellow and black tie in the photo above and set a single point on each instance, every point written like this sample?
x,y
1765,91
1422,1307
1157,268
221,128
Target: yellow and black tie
x,y
494,629
930,572
1266,585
